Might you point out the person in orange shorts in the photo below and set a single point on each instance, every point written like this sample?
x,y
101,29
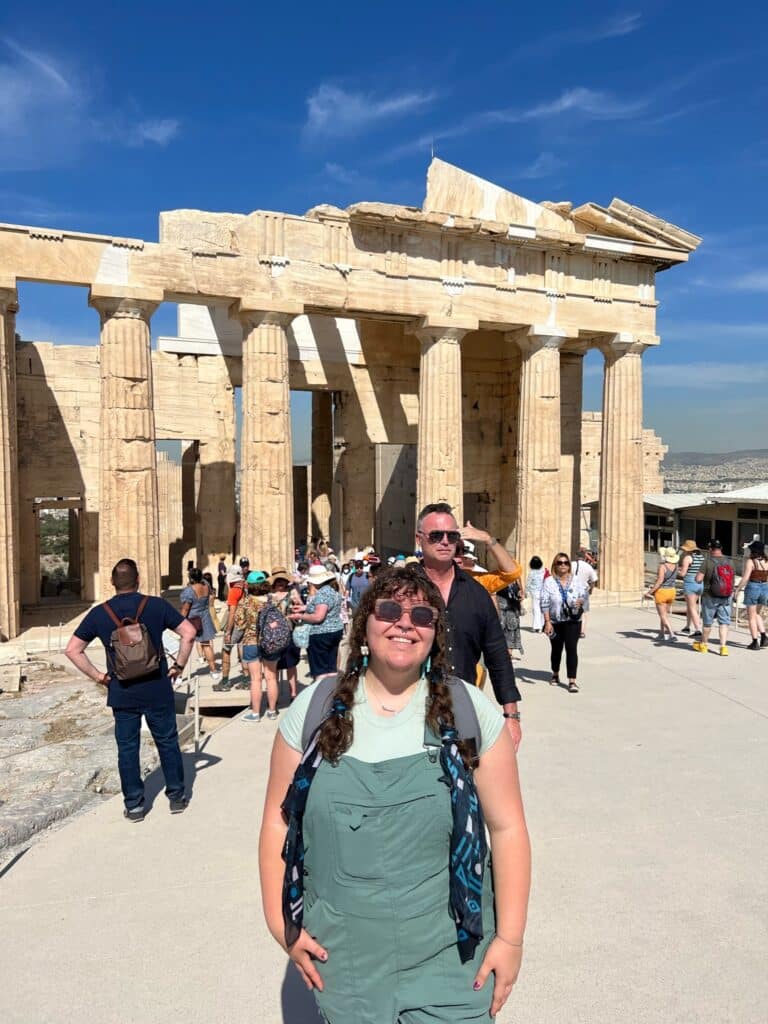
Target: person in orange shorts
x,y
663,591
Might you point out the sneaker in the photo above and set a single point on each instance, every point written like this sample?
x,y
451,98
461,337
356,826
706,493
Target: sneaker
x,y
754,646
180,805
252,716
216,677
764,639
223,686
673,637
242,684
724,652
696,634
685,631
701,648
135,813
272,715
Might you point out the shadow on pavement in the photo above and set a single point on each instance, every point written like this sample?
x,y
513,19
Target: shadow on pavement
x,y
296,1001
154,784
531,675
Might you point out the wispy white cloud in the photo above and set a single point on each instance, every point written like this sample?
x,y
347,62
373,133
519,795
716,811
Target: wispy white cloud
x,y
553,42
48,116
543,166
344,175
333,112
704,375
754,281
708,330
18,207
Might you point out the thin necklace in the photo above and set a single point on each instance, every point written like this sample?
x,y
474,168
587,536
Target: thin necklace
x,y
383,706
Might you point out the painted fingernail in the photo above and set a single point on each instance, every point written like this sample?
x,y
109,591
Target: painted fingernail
x,y
476,986
323,956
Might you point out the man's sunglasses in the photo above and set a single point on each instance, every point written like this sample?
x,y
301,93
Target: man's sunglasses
x,y
421,615
435,536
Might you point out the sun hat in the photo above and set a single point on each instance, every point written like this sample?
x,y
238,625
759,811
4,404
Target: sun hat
x,y
256,577
688,546
234,575
411,560
669,555
757,549
469,549
318,575
279,573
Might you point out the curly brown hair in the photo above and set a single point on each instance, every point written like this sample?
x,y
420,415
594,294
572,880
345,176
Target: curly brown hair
x,y
337,732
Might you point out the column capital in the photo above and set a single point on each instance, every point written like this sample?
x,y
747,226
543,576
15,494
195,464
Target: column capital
x,y
124,303
9,297
253,311
624,343
535,338
430,329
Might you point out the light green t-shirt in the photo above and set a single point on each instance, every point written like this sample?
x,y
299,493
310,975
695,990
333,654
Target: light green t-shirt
x,y
382,739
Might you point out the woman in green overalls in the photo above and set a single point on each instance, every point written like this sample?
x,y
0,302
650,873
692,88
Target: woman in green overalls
x,y
373,868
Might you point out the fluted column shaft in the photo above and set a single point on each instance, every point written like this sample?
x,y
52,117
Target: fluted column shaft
x,y
571,401
322,462
10,562
128,495
440,462
621,469
266,453
539,519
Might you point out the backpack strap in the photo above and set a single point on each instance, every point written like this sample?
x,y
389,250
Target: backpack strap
x,y
319,706
111,614
464,715
121,622
140,609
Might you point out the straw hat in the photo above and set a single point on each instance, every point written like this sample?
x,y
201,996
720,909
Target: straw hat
x,y
318,575
669,555
689,546
279,573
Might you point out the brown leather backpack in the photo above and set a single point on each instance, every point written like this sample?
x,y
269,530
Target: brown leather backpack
x,y
131,652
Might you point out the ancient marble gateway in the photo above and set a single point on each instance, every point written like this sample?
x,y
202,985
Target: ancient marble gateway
x,y
443,347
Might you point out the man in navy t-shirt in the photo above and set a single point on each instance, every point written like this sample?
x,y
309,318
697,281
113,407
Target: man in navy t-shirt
x,y
151,696
357,584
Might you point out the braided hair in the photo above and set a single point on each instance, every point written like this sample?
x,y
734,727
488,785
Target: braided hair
x,y
337,732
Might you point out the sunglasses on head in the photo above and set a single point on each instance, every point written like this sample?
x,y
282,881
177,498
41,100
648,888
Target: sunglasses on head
x,y
435,536
388,610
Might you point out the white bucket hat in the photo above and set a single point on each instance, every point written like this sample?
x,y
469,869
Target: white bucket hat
x,y
318,575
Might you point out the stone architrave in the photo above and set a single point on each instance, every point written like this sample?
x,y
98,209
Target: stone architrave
x,y
10,574
440,458
539,529
621,467
129,524
322,463
266,453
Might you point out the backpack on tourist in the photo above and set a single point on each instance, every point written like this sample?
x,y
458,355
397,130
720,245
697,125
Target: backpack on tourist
x,y
131,652
721,583
275,632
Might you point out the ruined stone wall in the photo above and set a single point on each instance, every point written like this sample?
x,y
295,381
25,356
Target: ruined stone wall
x,y
654,450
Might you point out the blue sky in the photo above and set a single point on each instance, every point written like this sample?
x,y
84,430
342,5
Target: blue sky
x,y
106,119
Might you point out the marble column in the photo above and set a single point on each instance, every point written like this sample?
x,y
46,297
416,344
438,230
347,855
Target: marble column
x,y
621,467
440,458
215,514
266,453
129,525
571,402
10,562
322,463
539,529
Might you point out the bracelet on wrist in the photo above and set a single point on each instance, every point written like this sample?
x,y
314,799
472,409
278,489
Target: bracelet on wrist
x,y
515,945
512,714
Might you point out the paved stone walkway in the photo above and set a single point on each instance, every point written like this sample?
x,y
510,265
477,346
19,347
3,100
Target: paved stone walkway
x,y
646,798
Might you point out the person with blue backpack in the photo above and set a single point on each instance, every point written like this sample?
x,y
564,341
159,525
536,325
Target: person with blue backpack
x,y
373,850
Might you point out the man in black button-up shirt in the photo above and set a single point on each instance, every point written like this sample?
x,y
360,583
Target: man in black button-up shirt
x,y
473,622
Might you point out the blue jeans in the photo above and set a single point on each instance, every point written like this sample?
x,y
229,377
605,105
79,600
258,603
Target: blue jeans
x,y
162,725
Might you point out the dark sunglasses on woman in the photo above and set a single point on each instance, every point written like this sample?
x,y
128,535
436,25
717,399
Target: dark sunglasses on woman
x,y
389,610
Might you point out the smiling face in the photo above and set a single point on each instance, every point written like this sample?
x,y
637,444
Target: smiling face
x,y
399,647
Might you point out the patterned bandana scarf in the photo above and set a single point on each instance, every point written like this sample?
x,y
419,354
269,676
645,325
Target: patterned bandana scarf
x,y
467,853
468,847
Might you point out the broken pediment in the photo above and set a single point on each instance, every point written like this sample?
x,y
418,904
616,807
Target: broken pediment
x,y
453,191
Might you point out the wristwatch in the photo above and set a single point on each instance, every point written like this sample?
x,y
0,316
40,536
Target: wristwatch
x,y
512,714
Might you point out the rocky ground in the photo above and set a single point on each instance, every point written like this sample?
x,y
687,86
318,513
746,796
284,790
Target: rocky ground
x,y
57,752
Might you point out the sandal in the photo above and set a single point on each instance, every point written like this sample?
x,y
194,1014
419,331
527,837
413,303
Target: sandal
x,y
572,686
555,680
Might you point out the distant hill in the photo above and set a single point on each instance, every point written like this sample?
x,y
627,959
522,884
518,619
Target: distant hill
x,y
708,459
